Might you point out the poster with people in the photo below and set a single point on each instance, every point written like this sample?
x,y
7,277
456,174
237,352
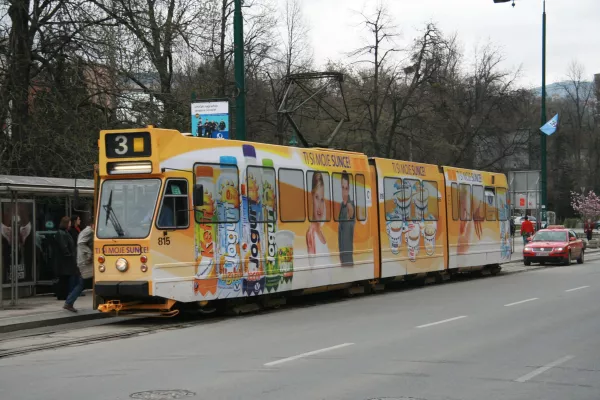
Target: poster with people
x,y
19,218
210,119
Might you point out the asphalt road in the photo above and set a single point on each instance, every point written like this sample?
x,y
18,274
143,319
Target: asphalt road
x,y
531,335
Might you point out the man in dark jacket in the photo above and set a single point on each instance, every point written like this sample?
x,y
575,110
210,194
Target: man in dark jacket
x,y
67,263
75,228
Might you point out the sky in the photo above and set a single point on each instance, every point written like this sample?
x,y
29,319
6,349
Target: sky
x,y
573,30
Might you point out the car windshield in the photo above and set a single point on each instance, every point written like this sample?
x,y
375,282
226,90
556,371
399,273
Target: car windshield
x,y
549,236
126,208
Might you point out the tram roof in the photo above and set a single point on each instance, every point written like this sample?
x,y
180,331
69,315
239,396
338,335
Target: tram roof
x,y
45,186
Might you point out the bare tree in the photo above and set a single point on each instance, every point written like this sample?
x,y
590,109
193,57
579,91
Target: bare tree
x,y
292,56
158,27
381,76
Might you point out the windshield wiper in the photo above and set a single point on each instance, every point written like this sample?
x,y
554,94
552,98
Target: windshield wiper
x,y
110,214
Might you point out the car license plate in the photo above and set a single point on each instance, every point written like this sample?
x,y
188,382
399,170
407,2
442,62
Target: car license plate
x,y
542,253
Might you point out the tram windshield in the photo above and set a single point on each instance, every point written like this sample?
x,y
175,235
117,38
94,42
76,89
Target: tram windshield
x,y
127,208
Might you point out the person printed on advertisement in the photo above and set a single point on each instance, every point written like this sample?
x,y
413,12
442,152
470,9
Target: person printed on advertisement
x,y
346,223
222,125
315,239
466,220
26,242
199,126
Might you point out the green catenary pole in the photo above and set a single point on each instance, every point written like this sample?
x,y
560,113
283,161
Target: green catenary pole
x,y
543,119
238,43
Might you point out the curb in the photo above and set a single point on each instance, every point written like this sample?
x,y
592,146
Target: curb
x,y
14,324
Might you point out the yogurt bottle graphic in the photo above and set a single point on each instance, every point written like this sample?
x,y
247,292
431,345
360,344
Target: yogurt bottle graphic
x,y
269,204
403,197
205,235
229,232
254,279
421,200
429,232
285,257
413,236
394,232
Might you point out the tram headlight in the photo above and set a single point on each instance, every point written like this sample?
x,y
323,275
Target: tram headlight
x,y
101,268
144,268
122,265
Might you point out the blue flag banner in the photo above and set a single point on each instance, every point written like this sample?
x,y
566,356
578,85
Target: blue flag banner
x,y
550,127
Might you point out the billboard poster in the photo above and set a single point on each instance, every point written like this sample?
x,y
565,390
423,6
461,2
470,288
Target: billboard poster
x,y
210,118
21,219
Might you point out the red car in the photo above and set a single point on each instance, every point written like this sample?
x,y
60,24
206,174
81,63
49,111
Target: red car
x,y
554,244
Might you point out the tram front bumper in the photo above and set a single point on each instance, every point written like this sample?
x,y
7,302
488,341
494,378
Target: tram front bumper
x,y
115,289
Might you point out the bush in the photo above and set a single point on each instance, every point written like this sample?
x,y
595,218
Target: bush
x,y
571,222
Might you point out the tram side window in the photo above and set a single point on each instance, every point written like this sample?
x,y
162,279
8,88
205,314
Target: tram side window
x,y
319,196
261,191
394,199
464,201
292,207
502,205
174,210
430,201
344,207
454,198
490,204
361,197
478,203
221,202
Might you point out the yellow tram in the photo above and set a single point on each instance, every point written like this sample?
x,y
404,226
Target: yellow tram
x,y
183,220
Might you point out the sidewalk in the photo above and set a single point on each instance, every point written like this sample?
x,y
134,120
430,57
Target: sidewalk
x,y
45,310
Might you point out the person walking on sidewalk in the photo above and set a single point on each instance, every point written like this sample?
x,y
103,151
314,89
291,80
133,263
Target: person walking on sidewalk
x,y
85,255
67,263
526,229
588,228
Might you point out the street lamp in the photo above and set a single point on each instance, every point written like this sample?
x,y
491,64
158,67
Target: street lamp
x,y
543,119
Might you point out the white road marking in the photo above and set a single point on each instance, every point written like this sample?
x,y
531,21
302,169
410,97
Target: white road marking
x,y
543,369
442,322
577,288
520,302
310,353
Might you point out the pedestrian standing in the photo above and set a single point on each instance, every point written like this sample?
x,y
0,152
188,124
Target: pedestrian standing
x,y
588,228
85,255
526,229
67,263
75,228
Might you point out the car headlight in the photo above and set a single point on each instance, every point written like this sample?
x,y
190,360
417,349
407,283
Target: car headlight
x,y
559,249
122,265
527,249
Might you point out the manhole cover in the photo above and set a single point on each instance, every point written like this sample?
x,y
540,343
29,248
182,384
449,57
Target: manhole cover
x,y
162,394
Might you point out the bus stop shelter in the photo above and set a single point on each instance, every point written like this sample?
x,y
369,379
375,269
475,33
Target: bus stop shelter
x,y
30,209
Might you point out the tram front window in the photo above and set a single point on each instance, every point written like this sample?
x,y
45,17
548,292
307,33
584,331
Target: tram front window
x,y
127,208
